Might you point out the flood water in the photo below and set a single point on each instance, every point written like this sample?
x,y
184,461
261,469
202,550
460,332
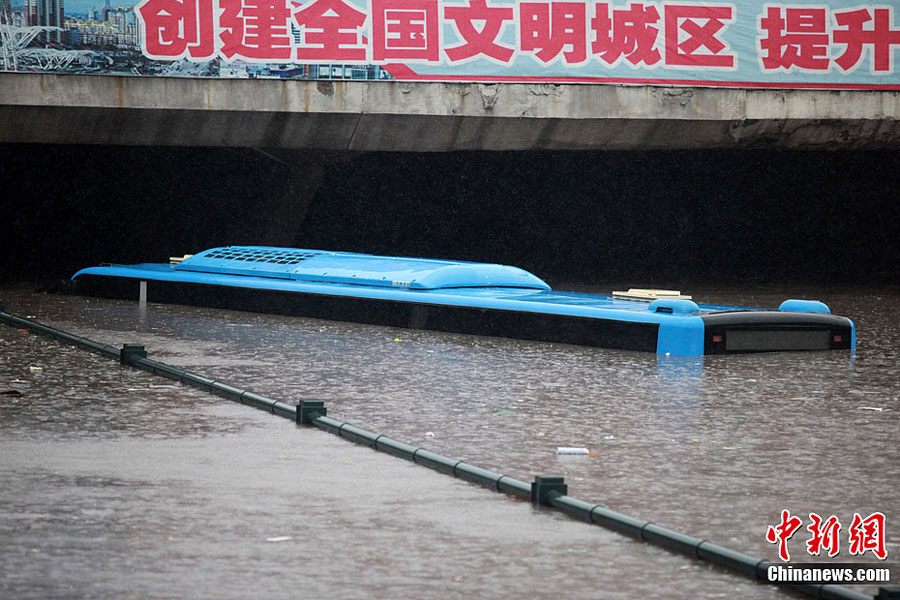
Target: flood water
x,y
119,484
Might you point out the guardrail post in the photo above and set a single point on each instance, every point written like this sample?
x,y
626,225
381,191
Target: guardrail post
x,y
543,486
308,410
130,352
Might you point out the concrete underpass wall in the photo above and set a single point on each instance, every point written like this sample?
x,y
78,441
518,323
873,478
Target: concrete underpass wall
x,y
429,117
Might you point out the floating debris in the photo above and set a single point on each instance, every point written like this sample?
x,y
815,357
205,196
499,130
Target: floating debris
x,y
872,408
280,538
500,413
572,450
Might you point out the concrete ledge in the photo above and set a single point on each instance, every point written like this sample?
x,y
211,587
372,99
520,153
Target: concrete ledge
x,y
422,117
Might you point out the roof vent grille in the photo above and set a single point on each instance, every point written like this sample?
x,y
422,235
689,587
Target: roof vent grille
x,y
257,261
275,257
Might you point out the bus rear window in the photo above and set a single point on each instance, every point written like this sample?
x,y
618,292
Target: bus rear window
x,y
763,340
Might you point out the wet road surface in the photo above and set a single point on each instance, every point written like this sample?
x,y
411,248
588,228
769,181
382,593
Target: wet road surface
x,y
119,484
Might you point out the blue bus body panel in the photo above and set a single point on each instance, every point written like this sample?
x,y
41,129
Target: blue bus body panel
x,y
681,326
679,334
500,298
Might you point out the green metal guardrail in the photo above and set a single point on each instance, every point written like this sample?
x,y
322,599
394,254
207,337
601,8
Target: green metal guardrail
x,y
544,491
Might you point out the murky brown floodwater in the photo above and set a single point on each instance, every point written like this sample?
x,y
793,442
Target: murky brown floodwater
x,y
119,484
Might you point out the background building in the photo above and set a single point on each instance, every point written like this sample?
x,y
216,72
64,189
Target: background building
x,y
47,13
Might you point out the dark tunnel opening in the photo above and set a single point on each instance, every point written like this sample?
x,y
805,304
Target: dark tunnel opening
x,y
729,216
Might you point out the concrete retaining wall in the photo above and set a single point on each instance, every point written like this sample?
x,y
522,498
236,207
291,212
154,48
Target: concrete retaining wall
x,y
427,117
